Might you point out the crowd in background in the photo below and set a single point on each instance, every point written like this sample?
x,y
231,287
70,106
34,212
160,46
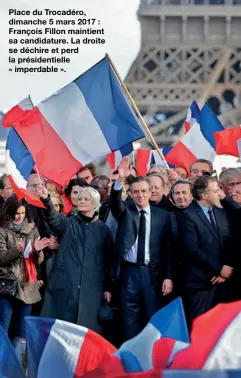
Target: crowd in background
x,y
108,252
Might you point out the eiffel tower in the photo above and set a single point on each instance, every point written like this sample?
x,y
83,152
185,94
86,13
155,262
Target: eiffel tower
x,y
190,50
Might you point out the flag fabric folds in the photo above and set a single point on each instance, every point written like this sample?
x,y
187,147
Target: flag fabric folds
x,y
215,340
18,160
61,349
82,122
228,141
9,365
198,142
56,346
146,158
115,157
193,116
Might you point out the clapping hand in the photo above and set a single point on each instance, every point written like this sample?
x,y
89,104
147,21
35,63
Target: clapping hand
x,y
53,243
40,244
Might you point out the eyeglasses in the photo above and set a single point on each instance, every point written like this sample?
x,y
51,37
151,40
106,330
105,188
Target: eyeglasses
x,y
231,185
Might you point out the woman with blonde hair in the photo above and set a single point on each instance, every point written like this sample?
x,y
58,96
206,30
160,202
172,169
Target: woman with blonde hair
x,y
80,279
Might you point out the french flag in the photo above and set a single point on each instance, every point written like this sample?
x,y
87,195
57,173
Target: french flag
x,y
18,160
61,349
193,116
84,121
114,158
215,341
146,158
198,142
229,141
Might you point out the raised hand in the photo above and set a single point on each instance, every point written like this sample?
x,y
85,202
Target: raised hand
x,y
42,192
124,169
40,244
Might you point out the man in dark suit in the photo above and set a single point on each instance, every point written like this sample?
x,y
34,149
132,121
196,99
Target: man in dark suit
x,y
143,251
208,262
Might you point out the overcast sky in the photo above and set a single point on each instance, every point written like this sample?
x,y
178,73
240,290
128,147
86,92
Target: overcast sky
x,y
122,34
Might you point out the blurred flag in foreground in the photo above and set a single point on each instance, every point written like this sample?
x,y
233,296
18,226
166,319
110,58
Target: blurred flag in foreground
x,y
84,121
61,349
9,365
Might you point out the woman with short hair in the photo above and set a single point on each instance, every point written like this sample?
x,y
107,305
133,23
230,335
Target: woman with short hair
x,y
80,278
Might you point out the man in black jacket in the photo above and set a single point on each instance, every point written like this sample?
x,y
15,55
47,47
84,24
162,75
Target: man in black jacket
x,y
143,251
206,234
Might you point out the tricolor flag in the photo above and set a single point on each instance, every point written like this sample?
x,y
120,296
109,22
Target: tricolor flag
x,y
198,142
18,160
115,157
84,121
61,349
228,141
215,340
193,116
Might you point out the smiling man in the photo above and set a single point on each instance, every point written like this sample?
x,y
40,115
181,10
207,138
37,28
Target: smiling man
x,y
143,251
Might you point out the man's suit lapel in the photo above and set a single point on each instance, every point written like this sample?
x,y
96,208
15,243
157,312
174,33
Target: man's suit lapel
x,y
135,217
218,222
205,220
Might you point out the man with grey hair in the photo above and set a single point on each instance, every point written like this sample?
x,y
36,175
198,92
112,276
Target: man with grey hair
x,y
143,252
229,178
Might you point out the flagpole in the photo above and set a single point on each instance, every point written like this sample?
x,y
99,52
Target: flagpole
x,y
38,174
137,111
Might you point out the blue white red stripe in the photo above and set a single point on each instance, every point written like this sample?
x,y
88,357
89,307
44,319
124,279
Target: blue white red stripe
x,y
84,121
18,160
193,116
198,142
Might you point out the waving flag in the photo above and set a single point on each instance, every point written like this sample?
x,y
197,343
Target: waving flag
x,y
193,116
115,157
9,365
228,141
215,340
84,121
18,160
61,349
198,142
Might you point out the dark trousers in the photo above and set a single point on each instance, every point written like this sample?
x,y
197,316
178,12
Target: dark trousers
x,y
13,312
197,302
137,299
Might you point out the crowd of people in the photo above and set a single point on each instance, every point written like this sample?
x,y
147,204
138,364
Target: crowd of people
x,y
108,252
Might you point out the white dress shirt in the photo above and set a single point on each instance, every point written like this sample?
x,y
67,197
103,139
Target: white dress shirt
x,y
131,255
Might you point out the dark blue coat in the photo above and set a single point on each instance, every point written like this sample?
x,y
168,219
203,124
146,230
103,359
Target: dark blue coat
x,y
81,271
